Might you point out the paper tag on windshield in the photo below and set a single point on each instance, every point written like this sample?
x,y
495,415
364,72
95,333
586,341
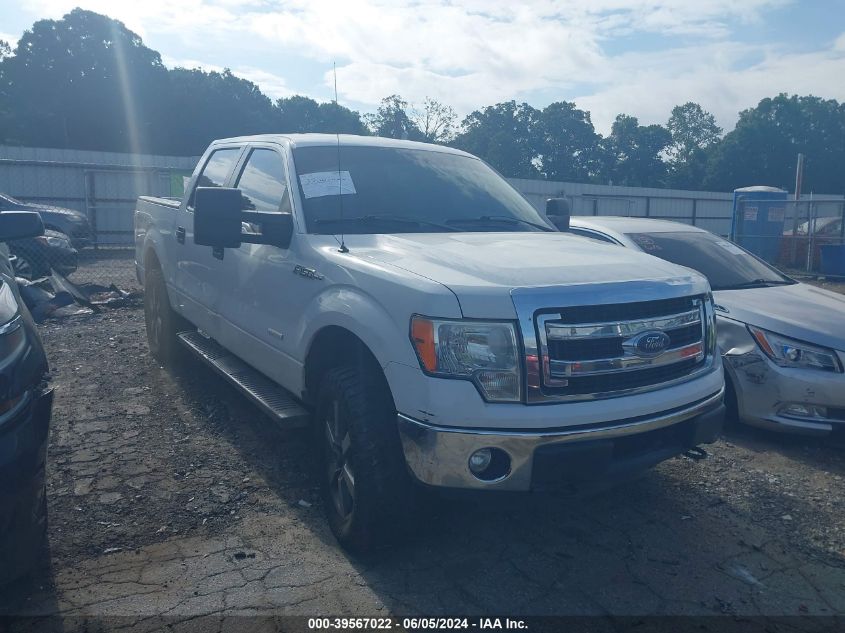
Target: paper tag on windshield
x,y
731,248
326,183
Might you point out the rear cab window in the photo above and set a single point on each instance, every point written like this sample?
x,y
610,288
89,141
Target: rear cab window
x,y
263,186
216,170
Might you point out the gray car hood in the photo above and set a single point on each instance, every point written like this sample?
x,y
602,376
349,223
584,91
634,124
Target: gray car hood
x,y
800,311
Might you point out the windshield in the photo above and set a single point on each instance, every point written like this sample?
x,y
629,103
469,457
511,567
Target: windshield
x,y
397,190
726,265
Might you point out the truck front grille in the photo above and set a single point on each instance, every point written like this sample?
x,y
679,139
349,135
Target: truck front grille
x,y
607,350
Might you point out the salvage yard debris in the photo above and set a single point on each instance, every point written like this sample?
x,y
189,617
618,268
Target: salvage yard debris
x,y
52,297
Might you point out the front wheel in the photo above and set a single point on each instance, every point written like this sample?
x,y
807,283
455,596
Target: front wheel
x,y
367,491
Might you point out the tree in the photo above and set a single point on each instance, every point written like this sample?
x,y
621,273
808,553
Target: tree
x,y
435,121
84,81
762,149
393,120
506,135
692,129
5,50
205,106
633,153
694,132
303,114
569,143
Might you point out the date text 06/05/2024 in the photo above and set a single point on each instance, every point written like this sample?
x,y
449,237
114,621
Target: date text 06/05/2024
x,y
416,624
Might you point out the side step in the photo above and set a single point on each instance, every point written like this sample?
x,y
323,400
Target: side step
x,y
277,402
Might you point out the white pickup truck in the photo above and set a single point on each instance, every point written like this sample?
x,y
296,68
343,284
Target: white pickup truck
x,y
426,320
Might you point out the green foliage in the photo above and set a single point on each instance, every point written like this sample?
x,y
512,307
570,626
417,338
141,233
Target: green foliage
x,y
569,143
393,120
81,80
298,114
694,132
633,153
762,149
206,106
506,135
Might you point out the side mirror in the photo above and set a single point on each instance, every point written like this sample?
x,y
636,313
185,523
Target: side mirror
x,y
217,217
16,225
557,210
219,221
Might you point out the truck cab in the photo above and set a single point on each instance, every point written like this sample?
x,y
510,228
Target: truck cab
x,y
432,327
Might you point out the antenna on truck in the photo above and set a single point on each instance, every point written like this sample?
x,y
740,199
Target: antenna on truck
x,y
342,248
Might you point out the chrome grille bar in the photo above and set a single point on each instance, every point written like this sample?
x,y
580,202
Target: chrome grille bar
x,y
560,331
629,362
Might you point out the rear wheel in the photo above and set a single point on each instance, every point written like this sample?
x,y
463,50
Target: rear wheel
x,y
367,491
163,324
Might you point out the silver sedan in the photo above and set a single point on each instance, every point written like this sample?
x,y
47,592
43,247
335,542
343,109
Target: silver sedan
x,y
783,341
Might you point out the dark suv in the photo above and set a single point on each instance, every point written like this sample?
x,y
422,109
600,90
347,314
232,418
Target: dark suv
x,y
72,223
25,407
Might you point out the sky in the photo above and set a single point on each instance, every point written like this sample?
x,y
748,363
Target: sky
x,y
638,57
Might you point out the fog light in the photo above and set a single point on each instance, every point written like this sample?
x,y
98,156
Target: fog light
x,y
490,465
480,460
800,410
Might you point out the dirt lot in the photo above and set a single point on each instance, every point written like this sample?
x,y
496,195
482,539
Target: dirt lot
x,y
171,494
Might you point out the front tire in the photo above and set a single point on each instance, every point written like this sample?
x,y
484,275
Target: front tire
x,y
163,324
367,490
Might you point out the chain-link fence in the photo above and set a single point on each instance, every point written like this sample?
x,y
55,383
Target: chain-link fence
x,y
805,236
86,201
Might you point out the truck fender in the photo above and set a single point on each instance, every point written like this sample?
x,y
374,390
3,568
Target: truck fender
x,y
386,340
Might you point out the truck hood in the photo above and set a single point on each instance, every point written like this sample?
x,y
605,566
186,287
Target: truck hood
x,y
799,310
483,268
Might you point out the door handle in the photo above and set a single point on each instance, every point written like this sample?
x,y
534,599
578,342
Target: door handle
x,y
180,234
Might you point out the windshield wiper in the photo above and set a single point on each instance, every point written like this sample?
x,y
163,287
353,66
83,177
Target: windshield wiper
x,y
756,283
398,219
484,219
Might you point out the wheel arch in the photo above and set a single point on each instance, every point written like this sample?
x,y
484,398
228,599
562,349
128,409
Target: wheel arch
x,y
335,346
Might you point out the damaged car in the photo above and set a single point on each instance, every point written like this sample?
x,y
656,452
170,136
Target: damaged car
x,y
36,257
783,341
25,409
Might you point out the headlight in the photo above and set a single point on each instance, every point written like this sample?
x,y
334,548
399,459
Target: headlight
x,y
710,324
788,352
483,352
11,327
52,240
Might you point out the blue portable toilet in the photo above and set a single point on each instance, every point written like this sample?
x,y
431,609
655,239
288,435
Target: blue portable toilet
x,y
758,217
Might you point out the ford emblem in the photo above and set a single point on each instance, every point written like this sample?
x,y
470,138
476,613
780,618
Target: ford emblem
x,y
651,343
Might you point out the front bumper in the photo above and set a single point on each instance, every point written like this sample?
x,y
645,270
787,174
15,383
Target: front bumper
x,y
764,389
439,456
23,454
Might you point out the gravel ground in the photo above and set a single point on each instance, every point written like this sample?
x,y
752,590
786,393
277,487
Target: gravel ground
x,y
171,494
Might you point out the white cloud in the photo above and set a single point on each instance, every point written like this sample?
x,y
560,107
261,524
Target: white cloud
x,y
648,86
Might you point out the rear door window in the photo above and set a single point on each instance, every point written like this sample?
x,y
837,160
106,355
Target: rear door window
x,y
216,170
